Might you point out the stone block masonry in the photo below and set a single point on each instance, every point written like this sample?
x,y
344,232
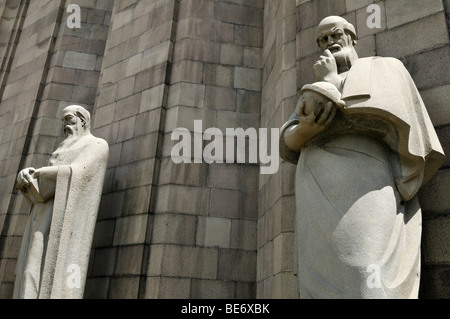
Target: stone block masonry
x,y
165,63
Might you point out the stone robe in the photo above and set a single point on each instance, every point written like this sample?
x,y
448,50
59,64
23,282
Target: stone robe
x,y
54,255
358,220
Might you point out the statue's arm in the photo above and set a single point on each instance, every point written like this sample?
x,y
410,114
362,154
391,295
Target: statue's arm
x,y
294,138
43,180
47,181
47,173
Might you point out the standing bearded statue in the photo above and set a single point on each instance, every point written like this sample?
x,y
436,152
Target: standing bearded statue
x,y
363,144
65,197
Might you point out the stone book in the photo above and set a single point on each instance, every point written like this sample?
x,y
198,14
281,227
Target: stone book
x,y
32,194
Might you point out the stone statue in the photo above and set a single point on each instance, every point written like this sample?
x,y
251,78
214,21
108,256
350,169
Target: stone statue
x,y
363,144
65,196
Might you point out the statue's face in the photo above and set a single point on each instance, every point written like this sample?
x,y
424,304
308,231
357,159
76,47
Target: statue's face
x,y
71,123
337,41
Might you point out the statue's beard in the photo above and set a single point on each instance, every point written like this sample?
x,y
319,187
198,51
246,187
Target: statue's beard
x,y
73,131
68,130
342,58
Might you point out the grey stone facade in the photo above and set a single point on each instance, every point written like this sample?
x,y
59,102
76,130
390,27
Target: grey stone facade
x,y
146,67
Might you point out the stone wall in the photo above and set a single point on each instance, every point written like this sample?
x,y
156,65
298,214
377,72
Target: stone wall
x,y
170,230
145,68
276,214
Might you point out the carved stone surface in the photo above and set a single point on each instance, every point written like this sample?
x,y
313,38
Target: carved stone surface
x,y
65,196
363,147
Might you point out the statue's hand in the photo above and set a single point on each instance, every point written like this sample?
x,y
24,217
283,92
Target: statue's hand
x,y
310,125
315,112
326,69
25,177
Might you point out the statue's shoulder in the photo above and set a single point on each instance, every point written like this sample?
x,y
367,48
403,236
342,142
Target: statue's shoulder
x,y
97,143
379,65
380,60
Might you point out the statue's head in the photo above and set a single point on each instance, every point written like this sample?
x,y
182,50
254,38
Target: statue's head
x,y
76,120
337,35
